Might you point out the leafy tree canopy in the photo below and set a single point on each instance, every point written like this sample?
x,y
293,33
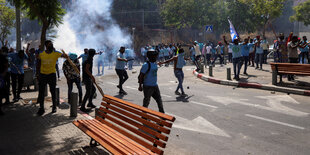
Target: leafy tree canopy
x,y
302,13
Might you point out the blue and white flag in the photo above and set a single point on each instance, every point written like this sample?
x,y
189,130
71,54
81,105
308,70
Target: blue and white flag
x,y
233,32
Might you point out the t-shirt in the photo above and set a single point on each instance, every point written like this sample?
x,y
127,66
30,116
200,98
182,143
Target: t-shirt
x,y
245,49
197,50
84,57
229,49
292,52
306,49
208,49
264,44
17,63
259,49
48,62
236,50
120,64
219,49
90,62
166,52
151,76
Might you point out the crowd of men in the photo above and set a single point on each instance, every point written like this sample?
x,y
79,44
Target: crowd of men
x,y
249,51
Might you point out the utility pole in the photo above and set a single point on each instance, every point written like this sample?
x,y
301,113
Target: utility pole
x,y
18,33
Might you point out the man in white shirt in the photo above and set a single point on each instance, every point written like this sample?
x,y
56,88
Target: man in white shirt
x,y
197,56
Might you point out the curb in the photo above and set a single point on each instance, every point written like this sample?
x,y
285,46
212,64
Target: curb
x,y
252,85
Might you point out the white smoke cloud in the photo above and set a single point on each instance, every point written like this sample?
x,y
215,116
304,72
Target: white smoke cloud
x,y
88,24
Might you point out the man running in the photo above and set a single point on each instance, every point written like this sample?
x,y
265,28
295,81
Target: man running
x,y
148,81
179,62
47,74
120,70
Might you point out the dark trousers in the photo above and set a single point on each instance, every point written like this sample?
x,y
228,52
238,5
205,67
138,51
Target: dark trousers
x,y
259,59
89,94
197,61
45,79
180,76
123,76
230,57
78,83
237,62
57,71
265,56
292,60
152,91
303,56
6,93
245,60
277,56
218,56
17,84
252,58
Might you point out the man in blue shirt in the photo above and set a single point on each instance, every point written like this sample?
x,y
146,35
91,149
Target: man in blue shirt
x,y
259,54
245,51
120,69
304,49
236,56
148,81
17,72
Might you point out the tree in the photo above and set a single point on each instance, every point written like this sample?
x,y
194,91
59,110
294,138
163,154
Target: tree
x,y
302,13
6,20
187,13
268,10
48,13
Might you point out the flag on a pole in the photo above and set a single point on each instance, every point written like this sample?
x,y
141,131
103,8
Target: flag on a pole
x,y
233,32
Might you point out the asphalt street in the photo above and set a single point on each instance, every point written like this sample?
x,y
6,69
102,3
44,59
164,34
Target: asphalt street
x,y
216,119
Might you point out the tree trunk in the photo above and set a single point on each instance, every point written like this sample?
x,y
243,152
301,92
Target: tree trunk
x,y
18,33
43,35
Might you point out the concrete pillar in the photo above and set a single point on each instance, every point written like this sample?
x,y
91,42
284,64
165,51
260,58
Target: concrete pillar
x,y
57,95
210,70
73,104
274,77
228,73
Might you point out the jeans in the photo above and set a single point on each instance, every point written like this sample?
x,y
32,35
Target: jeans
x,y
123,76
130,64
259,59
152,91
7,79
196,61
303,56
245,62
251,58
90,91
265,56
221,58
230,57
180,76
19,80
78,83
100,63
277,56
237,62
45,79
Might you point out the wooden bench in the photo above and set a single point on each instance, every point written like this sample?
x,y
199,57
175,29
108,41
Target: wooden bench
x,y
126,128
288,69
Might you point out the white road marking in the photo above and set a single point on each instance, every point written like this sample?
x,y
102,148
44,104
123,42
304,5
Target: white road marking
x,y
204,104
165,95
112,83
131,88
276,122
172,81
198,124
273,102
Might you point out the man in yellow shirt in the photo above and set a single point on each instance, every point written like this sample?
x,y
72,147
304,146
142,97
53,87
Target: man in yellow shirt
x,y
47,74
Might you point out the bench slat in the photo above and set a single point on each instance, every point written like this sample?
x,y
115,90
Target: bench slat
x,y
107,98
139,126
125,141
138,140
294,73
134,130
143,114
104,142
153,125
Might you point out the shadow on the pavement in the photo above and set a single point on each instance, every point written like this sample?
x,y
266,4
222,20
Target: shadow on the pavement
x,y
23,132
88,150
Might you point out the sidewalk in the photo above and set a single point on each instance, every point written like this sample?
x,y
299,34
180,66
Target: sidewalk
x,y
23,132
259,79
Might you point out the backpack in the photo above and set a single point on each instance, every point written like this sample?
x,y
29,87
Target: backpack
x,y
142,76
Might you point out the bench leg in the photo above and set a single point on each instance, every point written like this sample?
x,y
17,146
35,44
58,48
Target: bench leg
x,y
93,143
280,78
274,78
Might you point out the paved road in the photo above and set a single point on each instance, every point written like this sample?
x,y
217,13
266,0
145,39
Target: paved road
x,y
217,119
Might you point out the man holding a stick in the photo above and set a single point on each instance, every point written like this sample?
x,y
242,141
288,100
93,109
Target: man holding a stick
x,y
46,73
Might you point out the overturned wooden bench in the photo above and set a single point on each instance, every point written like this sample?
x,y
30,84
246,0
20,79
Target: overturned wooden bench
x,y
126,128
288,69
